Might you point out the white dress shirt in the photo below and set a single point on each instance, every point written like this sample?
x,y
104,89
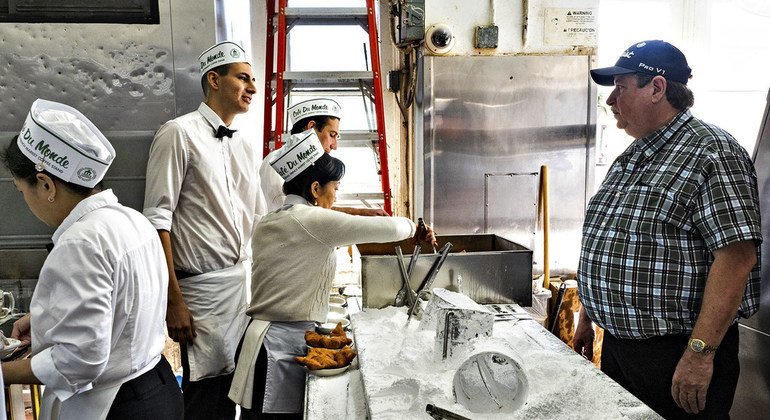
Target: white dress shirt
x,y
204,190
272,183
99,308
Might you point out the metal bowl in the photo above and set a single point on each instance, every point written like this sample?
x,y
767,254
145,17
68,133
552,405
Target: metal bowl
x,y
491,382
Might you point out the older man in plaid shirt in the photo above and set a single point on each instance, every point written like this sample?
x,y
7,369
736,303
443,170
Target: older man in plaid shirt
x,y
670,257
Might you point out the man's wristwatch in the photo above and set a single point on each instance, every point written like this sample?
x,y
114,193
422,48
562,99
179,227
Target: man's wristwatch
x,y
699,346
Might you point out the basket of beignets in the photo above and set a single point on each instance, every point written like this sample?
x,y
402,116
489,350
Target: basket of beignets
x,y
327,354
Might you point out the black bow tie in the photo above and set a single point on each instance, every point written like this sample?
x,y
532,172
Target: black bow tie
x,y
224,131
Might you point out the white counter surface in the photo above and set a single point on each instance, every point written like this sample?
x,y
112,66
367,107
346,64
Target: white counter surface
x,y
399,377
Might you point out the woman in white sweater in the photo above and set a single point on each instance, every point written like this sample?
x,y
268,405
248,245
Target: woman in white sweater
x,y
294,265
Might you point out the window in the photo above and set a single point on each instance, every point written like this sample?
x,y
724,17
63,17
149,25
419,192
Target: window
x,y
720,39
80,11
340,48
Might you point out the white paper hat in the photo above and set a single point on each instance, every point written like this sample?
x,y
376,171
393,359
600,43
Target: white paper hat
x,y
225,52
63,141
297,154
313,107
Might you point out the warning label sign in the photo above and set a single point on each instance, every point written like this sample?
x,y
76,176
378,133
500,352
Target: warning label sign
x,y
570,27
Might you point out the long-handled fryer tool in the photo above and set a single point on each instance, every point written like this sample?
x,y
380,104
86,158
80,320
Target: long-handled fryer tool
x,y
406,295
430,276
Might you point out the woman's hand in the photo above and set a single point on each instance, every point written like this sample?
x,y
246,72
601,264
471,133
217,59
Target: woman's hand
x,y
22,330
424,233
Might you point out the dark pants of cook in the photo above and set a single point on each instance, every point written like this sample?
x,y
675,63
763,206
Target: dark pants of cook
x,y
646,367
206,399
153,395
258,398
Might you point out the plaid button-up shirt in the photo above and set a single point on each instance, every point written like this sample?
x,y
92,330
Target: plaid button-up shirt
x,y
668,201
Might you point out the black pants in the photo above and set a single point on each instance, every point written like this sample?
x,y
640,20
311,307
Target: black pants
x,y
206,399
153,395
646,367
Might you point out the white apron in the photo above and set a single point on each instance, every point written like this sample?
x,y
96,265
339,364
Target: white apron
x,y
92,404
217,302
242,387
284,386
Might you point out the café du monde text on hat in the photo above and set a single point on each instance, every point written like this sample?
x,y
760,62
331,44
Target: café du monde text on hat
x,y
655,58
225,52
65,143
299,152
313,107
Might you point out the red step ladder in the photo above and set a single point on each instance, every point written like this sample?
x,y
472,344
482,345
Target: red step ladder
x,y
279,82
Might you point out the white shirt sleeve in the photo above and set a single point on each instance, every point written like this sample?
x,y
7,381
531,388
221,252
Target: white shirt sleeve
x,y
166,168
335,228
272,184
82,334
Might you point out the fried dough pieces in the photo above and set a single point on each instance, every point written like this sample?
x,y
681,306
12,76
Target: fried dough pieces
x,y
313,339
327,352
337,339
338,331
327,358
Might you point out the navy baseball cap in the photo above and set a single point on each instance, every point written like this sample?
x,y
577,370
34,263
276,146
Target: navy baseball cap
x,y
656,58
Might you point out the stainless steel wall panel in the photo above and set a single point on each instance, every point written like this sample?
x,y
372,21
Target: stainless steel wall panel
x,y
752,397
194,30
510,204
507,114
761,320
128,79
120,76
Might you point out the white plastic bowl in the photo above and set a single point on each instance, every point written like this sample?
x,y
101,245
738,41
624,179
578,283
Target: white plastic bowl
x,y
331,324
328,372
336,312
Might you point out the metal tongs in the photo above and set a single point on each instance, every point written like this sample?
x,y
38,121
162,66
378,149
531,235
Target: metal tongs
x,y
406,295
420,228
430,277
439,413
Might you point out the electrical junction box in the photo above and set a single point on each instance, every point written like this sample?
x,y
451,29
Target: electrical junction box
x,y
486,36
394,80
409,16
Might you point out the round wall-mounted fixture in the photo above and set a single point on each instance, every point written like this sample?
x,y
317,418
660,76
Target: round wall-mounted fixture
x,y
439,38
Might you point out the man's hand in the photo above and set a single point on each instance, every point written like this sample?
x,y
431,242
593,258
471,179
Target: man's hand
x,y
22,330
179,320
691,381
180,324
583,341
722,296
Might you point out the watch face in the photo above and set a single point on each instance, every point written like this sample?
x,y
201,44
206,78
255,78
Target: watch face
x,y
697,345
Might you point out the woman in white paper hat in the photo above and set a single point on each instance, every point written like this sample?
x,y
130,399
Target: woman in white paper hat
x,y
96,321
323,116
294,265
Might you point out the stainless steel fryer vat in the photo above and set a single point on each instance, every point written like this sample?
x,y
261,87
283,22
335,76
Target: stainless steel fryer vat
x,y
487,268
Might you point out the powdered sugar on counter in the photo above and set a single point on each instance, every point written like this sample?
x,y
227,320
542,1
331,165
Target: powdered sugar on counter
x,y
400,376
